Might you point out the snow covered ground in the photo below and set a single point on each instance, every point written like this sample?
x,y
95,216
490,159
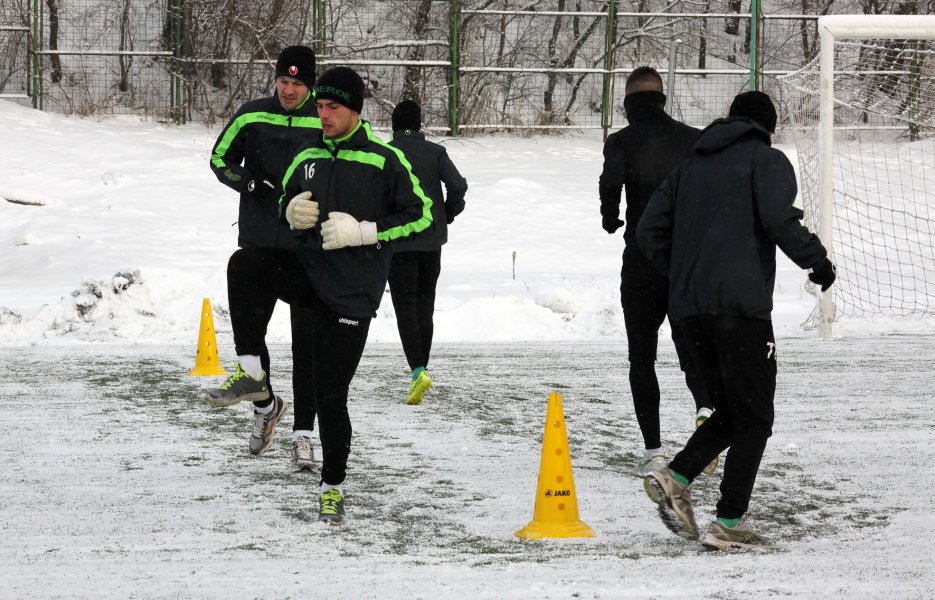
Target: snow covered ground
x,y
118,482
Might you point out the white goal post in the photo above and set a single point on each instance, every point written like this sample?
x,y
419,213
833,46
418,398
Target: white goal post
x,y
832,29
862,115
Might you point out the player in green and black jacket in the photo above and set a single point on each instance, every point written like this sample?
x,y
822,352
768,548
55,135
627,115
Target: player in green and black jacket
x,y
251,156
368,197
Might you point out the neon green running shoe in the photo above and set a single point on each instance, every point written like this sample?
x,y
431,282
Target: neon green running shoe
x,y
239,387
418,388
331,506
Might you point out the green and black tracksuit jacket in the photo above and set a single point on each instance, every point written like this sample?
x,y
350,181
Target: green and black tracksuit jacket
x,y
365,177
258,144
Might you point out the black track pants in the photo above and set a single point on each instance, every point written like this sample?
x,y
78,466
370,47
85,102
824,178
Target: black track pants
x,y
644,296
336,342
412,279
737,359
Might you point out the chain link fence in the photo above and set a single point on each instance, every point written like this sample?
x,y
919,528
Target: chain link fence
x,y
474,65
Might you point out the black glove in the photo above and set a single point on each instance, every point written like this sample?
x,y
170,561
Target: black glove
x,y
611,224
824,274
260,187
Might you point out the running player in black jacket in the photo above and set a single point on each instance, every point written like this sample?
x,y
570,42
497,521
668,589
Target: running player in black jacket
x,y
417,259
368,197
639,157
713,227
251,156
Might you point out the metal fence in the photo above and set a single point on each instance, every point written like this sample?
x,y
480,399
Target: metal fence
x,y
474,65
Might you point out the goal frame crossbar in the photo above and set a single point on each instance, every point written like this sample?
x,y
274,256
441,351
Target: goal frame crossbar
x,y
847,27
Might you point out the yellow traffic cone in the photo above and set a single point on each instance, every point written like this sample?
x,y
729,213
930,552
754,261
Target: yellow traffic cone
x,y
206,359
556,511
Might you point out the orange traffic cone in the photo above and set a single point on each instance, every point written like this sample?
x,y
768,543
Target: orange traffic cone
x,y
556,511
206,359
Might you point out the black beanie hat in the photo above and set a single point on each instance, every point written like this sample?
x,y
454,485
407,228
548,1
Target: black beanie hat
x,y
344,86
297,62
407,115
757,106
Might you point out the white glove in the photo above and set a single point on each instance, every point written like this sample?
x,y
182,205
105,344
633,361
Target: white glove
x,y
302,212
341,230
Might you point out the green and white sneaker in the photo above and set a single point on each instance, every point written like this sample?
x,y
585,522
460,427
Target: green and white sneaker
x,y
740,537
418,388
651,463
331,506
264,427
674,501
701,417
239,387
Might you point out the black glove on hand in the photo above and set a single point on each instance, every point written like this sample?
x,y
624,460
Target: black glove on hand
x,y
611,224
824,274
260,187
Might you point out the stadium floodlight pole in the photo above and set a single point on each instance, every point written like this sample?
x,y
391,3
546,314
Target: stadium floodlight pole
x,y
842,27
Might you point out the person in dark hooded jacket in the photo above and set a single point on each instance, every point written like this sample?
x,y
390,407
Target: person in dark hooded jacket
x,y
713,228
416,262
250,156
638,158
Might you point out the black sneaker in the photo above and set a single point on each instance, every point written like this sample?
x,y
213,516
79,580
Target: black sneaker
x,y
331,506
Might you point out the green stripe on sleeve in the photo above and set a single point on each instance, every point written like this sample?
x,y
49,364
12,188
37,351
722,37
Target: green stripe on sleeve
x,y
426,219
217,159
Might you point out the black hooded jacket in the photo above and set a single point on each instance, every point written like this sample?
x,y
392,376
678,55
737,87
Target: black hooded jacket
x,y
264,137
640,156
431,165
714,224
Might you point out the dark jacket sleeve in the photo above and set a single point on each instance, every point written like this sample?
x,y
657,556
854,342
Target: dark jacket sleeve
x,y
413,206
654,231
610,184
228,153
455,186
774,191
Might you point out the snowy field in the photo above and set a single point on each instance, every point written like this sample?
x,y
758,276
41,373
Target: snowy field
x,y
120,483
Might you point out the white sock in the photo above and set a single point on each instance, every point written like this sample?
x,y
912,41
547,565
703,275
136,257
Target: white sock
x,y
327,486
301,433
264,410
251,365
652,452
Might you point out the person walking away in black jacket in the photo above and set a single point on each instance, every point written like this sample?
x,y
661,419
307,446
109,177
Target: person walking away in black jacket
x,y
371,199
250,156
416,262
639,157
713,227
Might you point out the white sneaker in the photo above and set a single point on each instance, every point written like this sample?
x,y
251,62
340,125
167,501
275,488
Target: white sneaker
x,y
650,464
303,456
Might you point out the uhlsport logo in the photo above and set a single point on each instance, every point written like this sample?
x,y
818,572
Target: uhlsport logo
x,y
293,70
557,493
347,321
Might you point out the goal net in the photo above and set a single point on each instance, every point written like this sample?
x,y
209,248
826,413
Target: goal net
x,y
862,115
